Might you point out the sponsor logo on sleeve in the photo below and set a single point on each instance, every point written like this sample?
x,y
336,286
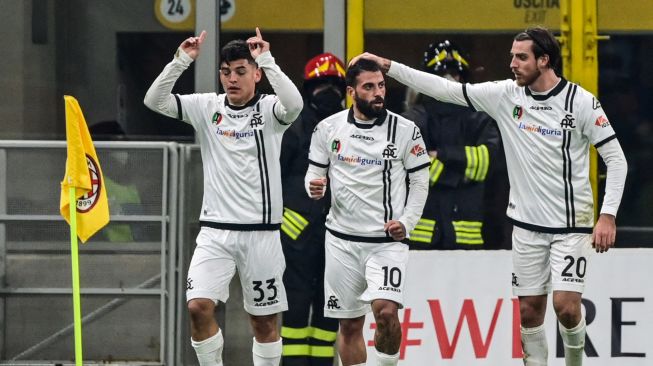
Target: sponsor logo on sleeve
x,y
602,122
418,150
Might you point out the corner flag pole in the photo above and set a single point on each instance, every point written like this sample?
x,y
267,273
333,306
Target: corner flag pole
x,y
74,255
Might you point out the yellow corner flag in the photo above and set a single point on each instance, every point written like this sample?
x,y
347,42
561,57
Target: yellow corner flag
x,y
83,173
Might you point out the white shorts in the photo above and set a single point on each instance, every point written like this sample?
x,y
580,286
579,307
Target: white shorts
x,y
356,273
257,256
543,262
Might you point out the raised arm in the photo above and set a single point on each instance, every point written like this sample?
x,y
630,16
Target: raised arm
x,y
159,96
290,99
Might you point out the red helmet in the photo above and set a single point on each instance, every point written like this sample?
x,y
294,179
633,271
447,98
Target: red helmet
x,y
323,65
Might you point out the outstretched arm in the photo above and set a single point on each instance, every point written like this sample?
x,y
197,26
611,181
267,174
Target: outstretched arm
x,y
432,85
290,99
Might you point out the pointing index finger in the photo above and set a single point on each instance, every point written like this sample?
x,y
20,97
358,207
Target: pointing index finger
x,y
258,33
202,36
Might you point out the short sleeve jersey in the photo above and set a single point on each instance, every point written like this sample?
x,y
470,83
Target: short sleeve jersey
x,y
240,149
547,138
368,166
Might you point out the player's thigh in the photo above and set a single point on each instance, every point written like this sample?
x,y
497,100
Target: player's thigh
x,y
344,279
385,272
212,266
570,255
261,264
531,265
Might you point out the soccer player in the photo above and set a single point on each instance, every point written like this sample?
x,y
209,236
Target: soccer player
x,y
547,125
369,153
308,335
240,134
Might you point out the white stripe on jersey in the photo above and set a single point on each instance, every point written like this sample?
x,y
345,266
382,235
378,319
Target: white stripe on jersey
x,y
368,166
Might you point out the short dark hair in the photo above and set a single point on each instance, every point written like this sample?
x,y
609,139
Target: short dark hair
x,y
356,69
236,50
544,43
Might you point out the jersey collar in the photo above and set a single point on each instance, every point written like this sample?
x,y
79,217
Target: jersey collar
x,y
379,120
250,103
561,85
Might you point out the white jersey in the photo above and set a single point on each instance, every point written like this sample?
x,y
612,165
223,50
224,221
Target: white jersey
x,y
547,139
240,146
368,166
240,149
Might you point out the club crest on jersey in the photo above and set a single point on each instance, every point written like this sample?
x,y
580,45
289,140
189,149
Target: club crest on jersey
x,y
517,112
216,119
568,122
390,151
602,122
256,121
87,201
336,146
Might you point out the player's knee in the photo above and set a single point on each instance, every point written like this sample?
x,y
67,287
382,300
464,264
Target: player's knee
x,y
200,310
385,314
568,313
532,312
264,326
351,327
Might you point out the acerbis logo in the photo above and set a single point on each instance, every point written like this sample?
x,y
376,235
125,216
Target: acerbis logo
x,y
336,146
88,201
517,112
217,118
540,108
362,137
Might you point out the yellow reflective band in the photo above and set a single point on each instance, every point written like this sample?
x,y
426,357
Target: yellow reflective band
x,y
469,241
289,229
323,335
456,56
435,170
425,225
421,236
322,351
308,332
467,235
468,232
307,350
296,350
295,333
296,218
484,165
472,224
471,153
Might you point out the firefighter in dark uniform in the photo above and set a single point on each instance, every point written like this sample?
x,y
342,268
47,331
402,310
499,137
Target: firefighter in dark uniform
x,y
463,146
308,337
